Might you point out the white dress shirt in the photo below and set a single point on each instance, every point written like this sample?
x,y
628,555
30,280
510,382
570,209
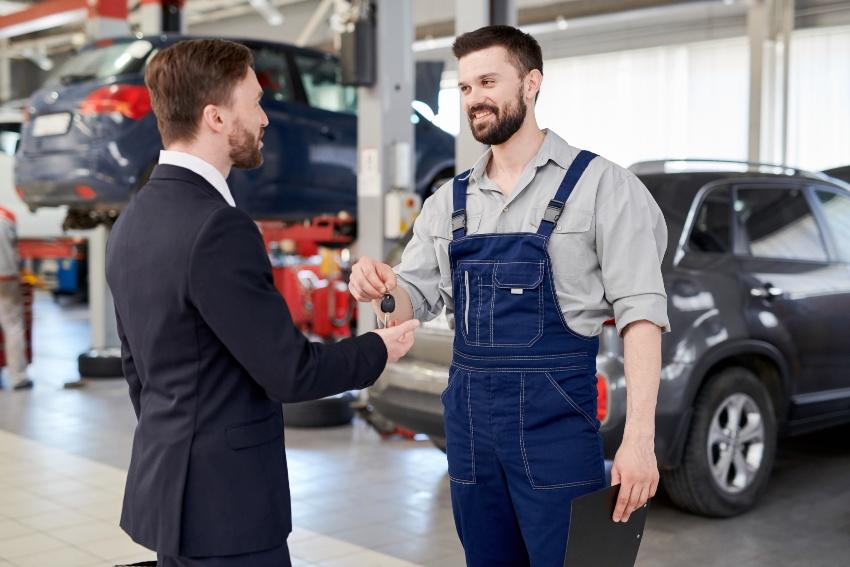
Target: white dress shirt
x,y
203,168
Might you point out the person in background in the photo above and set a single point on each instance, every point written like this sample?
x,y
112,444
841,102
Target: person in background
x,y
11,303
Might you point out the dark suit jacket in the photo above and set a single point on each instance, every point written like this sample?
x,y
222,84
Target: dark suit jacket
x,y
209,351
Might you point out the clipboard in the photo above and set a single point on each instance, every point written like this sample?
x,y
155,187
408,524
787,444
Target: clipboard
x,y
595,539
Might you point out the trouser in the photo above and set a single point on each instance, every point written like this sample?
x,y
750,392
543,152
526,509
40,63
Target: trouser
x,y
12,325
521,446
277,557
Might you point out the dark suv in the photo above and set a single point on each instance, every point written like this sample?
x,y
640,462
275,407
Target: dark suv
x,y
90,137
757,272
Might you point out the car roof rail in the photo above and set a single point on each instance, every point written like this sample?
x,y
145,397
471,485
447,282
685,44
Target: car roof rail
x,y
704,164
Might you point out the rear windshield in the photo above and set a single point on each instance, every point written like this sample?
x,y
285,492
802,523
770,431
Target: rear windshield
x,y
102,62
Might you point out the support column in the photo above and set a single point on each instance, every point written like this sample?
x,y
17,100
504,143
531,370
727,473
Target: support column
x,y
162,16
769,23
469,16
107,18
5,71
104,329
384,132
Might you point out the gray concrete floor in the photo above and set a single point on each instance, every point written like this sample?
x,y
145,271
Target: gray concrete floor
x,y
392,495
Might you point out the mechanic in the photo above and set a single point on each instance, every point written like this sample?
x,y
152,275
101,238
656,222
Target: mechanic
x,y
533,249
12,304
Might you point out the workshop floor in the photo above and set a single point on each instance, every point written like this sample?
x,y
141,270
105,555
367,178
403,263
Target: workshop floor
x,y
358,500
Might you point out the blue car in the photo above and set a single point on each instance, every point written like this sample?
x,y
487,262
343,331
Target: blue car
x,y
90,138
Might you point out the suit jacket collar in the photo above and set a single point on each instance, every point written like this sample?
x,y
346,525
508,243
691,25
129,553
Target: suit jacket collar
x,y
177,173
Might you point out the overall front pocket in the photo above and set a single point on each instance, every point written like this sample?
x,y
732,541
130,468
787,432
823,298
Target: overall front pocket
x,y
460,430
501,303
517,309
559,438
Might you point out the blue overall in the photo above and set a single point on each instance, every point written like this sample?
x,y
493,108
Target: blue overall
x,y
522,436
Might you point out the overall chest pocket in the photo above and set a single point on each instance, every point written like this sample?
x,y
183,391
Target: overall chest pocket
x,y
502,303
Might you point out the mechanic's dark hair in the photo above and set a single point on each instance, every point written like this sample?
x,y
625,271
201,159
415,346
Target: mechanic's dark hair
x,y
185,77
523,50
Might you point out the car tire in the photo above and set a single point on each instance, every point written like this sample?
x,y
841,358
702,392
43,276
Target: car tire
x,y
326,412
439,443
100,364
727,462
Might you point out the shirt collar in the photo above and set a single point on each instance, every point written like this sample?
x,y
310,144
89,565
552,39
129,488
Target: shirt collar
x,y
553,148
202,167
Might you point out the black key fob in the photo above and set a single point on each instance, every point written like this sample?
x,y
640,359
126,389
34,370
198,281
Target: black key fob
x,y
388,303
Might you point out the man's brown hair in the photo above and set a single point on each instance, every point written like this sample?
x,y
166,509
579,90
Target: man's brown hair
x,y
523,50
185,77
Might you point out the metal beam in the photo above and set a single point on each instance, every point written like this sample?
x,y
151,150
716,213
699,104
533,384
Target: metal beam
x,y
469,16
769,26
570,9
5,71
385,142
313,23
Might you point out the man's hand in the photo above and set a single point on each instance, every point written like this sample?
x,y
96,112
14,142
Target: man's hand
x,y
370,280
636,471
398,339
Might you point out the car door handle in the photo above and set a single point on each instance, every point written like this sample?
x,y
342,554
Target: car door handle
x,y
768,291
327,133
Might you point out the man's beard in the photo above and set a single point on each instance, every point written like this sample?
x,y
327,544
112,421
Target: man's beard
x,y
503,127
244,149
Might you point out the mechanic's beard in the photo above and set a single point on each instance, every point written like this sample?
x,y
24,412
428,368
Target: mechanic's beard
x,y
244,149
507,122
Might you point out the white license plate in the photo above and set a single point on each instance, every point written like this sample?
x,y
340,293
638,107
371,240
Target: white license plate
x,y
51,124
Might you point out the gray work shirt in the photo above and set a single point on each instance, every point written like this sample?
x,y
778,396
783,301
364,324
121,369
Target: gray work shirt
x,y
606,248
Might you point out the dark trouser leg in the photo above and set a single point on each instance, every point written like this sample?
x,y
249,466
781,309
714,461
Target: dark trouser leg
x,y
277,557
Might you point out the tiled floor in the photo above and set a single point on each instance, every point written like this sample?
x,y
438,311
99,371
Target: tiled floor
x,y
358,500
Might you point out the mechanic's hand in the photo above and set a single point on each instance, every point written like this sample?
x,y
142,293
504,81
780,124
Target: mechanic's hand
x,y
398,339
636,471
370,279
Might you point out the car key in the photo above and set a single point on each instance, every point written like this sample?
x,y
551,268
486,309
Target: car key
x,y
387,307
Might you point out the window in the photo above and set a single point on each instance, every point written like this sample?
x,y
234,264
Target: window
x,y
836,210
321,77
712,227
273,74
778,223
112,59
10,137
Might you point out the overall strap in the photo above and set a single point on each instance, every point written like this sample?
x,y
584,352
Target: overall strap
x,y
459,204
556,205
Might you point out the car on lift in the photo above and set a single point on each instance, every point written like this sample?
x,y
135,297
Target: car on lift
x,y
44,223
90,139
757,271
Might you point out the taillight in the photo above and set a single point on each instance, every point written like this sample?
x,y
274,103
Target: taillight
x,y
85,192
20,192
601,396
132,101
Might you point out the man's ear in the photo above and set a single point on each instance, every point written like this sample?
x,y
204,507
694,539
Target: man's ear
x,y
213,119
533,81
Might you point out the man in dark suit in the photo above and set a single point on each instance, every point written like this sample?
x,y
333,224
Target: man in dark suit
x,y
209,349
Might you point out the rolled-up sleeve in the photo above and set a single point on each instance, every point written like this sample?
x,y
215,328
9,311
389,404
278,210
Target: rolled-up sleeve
x,y
419,272
631,238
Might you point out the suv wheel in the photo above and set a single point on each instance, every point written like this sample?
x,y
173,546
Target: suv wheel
x,y
730,448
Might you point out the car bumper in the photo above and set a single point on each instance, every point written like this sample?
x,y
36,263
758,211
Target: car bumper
x,y
408,393
77,179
